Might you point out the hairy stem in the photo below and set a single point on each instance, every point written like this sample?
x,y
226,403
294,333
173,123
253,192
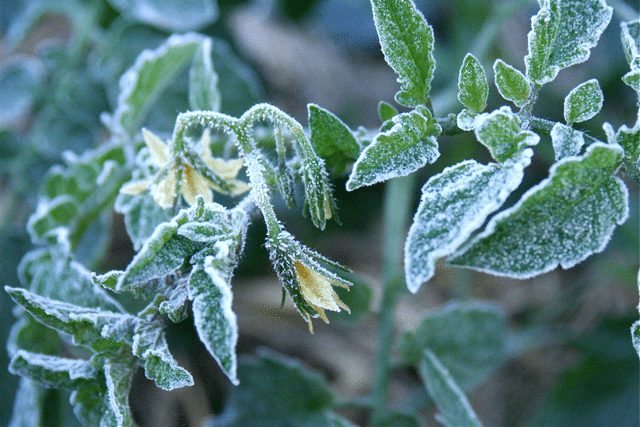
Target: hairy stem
x,y
397,205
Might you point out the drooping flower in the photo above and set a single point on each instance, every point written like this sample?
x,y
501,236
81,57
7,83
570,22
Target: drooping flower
x,y
304,274
175,176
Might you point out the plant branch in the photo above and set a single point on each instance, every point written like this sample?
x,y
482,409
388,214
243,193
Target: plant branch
x,y
397,205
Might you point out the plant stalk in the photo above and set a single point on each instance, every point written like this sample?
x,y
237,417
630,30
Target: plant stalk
x,y
397,205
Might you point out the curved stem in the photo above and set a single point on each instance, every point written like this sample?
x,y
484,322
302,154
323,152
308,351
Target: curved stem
x,y
397,205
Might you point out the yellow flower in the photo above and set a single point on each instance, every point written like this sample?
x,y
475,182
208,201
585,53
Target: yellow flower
x,y
192,183
317,290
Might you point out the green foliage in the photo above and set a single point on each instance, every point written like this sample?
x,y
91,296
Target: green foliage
x,y
501,132
511,83
583,102
473,89
566,141
407,42
332,139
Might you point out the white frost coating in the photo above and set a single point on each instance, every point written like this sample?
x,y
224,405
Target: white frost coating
x,y
630,32
466,120
473,88
454,204
501,132
455,410
566,141
583,102
511,83
562,34
129,80
533,237
113,399
407,146
74,368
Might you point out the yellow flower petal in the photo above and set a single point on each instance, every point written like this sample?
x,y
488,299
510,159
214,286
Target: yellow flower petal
x,y
158,149
135,187
315,289
194,184
227,169
164,192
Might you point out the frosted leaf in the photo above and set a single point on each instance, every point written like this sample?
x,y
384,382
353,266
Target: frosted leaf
x,y
118,377
630,34
561,221
407,42
473,89
302,398
635,336
469,339
629,139
89,403
453,205
501,132
28,405
331,138
583,102
141,216
566,141
453,406
466,120
43,270
407,146
511,83
203,80
19,80
632,79
149,344
52,371
562,34
386,111
152,72
168,15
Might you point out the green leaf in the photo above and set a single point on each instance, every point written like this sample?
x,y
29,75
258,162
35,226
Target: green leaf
x,y
466,119
332,139
118,378
453,205
501,132
469,338
52,371
386,111
561,221
141,216
407,42
630,34
583,102
19,82
302,397
511,83
562,34
74,196
629,140
454,408
566,141
142,84
168,15
632,79
407,146
203,80
210,291
473,89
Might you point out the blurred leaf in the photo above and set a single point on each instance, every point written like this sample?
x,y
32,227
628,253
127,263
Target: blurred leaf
x,y
407,42
468,338
203,80
583,102
473,89
455,410
561,221
407,146
169,15
563,34
20,80
358,298
303,397
386,111
398,419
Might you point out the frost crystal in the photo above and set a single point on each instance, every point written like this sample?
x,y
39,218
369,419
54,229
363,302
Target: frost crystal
x,y
454,204
566,141
561,221
583,102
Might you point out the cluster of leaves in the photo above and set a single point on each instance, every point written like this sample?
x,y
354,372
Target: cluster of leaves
x,y
71,334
